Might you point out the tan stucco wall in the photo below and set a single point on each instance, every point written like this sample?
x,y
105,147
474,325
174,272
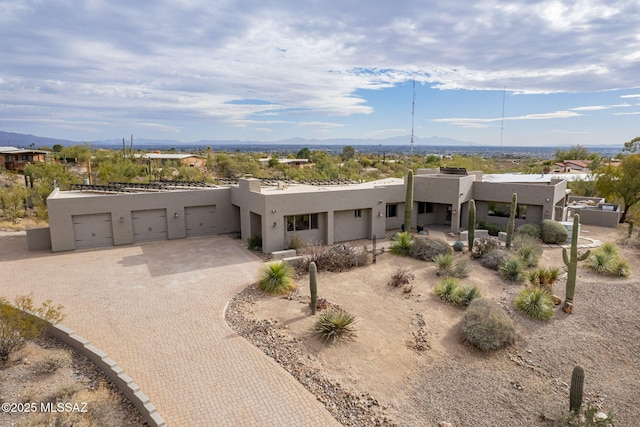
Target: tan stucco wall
x,y
62,207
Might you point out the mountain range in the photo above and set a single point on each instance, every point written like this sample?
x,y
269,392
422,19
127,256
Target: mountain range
x,y
13,139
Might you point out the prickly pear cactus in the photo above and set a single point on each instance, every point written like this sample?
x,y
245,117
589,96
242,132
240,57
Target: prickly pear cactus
x,y
572,265
313,286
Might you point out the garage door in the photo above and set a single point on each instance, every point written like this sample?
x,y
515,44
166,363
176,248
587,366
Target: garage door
x,y
200,220
149,225
92,231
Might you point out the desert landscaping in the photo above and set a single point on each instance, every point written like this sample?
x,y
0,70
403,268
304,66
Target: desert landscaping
x,y
407,364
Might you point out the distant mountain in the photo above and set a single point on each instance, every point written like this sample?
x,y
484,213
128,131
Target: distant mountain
x,y
11,139
21,140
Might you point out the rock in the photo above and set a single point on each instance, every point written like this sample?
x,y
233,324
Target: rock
x,y
445,424
556,300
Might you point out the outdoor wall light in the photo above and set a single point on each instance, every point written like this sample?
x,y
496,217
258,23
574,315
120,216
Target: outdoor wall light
x,y
454,212
379,213
176,215
274,223
379,202
121,219
547,200
273,211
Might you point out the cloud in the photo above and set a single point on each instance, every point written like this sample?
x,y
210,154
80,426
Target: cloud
x,y
637,95
484,122
599,107
166,62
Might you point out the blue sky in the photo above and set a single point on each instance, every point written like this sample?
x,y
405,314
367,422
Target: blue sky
x,y
566,72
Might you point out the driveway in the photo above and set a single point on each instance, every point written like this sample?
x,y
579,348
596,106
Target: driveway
x,y
157,310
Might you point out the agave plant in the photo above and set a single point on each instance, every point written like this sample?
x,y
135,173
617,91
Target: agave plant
x,y
335,324
465,294
446,289
512,270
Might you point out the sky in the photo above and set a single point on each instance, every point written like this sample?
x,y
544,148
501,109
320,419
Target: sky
x,y
516,73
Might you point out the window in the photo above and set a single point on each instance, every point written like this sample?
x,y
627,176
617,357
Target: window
x,y
302,222
425,207
503,210
392,211
357,213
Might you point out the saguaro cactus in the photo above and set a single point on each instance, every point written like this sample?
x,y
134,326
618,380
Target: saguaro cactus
x,y
572,265
511,226
471,224
313,286
408,203
577,385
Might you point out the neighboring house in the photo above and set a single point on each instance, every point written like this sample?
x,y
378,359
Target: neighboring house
x,y
191,160
321,213
569,166
12,158
294,163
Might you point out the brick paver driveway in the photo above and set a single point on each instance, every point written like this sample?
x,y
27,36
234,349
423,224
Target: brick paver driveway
x,y
157,310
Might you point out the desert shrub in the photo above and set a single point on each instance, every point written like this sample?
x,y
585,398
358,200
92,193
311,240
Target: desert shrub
x,y
444,263
486,326
465,294
296,242
276,278
495,258
458,246
401,244
448,265
535,303
493,228
529,256
553,232
526,241
401,276
544,278
606,260
512,270
254,242
588,416
53,361
426,248
531,230
335,324
23,321
446,289
334,258
483,246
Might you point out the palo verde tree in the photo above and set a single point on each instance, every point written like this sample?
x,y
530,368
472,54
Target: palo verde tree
x,y
621,182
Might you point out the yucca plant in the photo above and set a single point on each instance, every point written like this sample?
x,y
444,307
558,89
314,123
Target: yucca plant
x,y
465,294
621,268
529,256
401,244
446,289
609,248
335,324
276,278
535,303
512,270
544,278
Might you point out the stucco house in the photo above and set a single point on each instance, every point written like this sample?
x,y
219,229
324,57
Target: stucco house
x,y
191,160
12,158
104,216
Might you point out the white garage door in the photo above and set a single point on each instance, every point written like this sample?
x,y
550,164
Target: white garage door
x,y
92,231
149,225
200,220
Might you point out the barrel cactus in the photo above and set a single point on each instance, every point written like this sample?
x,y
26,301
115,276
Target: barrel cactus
x,y
577,385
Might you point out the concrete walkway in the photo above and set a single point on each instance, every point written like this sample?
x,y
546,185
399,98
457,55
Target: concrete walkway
x,y
157,310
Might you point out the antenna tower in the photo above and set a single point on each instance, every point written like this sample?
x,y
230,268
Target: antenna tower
x,y
504,90
413,108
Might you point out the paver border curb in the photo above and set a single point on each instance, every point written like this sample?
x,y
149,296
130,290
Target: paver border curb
x,y
111,369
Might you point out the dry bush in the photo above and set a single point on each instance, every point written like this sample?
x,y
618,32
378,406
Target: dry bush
x,y
334,258
426,248
401,276
54,360
495,258
486,326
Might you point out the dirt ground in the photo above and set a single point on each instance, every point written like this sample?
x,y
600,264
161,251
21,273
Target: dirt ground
x,y
518,386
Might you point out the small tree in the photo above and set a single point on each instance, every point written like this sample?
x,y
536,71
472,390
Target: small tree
x,y
22,322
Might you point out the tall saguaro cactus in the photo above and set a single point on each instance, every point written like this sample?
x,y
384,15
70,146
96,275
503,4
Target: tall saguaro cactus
x,y
572,264
577,385
511,226
408,203
313,286
471,224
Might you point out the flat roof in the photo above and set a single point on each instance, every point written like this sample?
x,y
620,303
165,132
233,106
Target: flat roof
x,y
534,178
